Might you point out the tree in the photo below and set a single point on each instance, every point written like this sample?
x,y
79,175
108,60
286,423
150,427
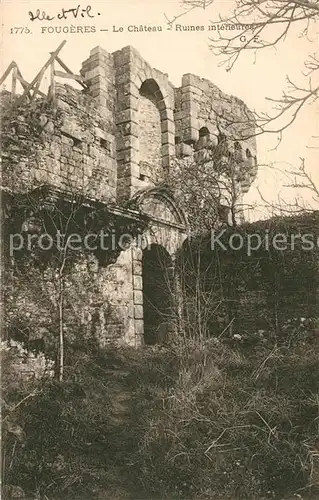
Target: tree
x,y
266,23
50,235
208,183
297,178
46,230
255,25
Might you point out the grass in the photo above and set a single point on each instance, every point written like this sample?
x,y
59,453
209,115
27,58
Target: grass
x,y
187,421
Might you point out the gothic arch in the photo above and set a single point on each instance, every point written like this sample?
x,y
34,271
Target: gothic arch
x,y
163,195
168,222
150,131
149,82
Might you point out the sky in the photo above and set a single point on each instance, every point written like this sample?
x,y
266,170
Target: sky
x,y
176,53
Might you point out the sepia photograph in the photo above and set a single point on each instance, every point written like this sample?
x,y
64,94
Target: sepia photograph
x,y
159,250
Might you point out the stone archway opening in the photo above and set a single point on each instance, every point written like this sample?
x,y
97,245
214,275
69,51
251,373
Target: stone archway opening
x,y
149,119
157,269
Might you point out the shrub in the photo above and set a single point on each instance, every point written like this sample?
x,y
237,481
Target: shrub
x,y
191,420
234,425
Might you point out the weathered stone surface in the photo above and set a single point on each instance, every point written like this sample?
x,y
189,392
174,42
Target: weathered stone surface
x,y
138,312
137,267
139,327
138,297
137,283
114,141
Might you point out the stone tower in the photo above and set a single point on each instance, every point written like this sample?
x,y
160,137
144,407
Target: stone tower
x,y
114,143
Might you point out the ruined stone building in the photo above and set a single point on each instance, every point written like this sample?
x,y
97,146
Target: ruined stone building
x,y
112,143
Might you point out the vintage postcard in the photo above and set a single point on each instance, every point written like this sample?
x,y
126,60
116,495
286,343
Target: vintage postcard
x,y
159,249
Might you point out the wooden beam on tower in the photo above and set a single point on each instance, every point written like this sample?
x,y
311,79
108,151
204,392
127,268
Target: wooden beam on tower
x,y
7,72
41,72
64,66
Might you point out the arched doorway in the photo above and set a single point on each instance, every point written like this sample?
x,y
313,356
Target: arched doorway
x,y
157,294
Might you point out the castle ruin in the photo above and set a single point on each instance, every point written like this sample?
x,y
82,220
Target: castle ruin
x,y
112,143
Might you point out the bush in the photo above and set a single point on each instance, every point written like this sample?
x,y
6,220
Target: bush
x,y
77,438
187,421
66,433
234,425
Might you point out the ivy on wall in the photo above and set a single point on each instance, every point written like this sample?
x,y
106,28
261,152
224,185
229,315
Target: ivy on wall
x,y
249,288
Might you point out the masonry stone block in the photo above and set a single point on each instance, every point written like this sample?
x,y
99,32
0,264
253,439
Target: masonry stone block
x,y
167,149
135,182
138,312
135,170
139,327
167,114
126,115
168,126
190,134
166,162
137,283
189,79
192,91
138,297
137,252
137,267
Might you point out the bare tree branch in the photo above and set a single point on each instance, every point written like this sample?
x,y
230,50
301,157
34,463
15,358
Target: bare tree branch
x,y
254,25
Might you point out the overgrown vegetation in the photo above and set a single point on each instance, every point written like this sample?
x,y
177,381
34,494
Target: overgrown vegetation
x,y
241,280
191,420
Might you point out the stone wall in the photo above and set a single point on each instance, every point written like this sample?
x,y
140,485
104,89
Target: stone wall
x,y
113,142
267,288
132,73
98,302
202,106
118,135
70,146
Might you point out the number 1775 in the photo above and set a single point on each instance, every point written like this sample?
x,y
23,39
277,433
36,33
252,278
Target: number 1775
x,y
19,30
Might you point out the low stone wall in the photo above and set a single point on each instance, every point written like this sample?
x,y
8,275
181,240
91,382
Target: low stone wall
x,y
264,289
97,301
